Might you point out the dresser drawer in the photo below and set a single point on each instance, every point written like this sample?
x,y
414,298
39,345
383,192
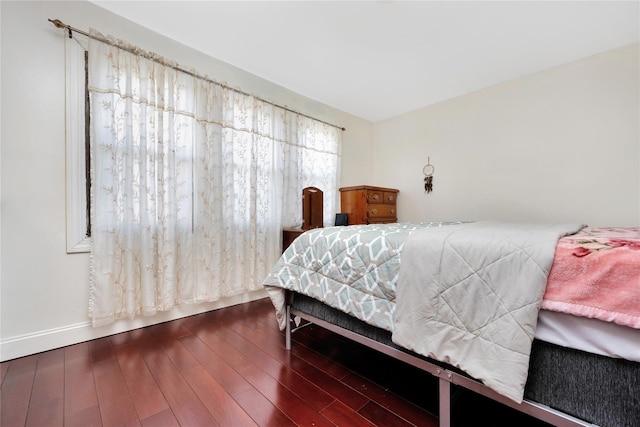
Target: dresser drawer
x,y
378,196
374,196
381,210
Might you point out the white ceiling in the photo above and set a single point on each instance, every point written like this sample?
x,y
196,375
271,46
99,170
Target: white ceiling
x,y
379,59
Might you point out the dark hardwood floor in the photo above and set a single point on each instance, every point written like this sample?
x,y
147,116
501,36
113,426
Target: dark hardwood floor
x,y
229,367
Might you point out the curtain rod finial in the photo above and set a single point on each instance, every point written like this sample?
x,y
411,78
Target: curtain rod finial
x,y
58,23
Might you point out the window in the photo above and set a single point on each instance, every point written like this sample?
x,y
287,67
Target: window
x,y
317,166
77,168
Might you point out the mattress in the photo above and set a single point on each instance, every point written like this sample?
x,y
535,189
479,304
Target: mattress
x,y
589,335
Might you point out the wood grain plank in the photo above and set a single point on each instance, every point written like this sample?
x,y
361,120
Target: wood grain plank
x,y
254,313
16,391
81,400
178,354
217,367
320,361
390,401
268,339
167,336
339,390
263,315
116,406
120,339
193,321
422,390
49,414
23,365
273,344
145,393
185,404
48,383
383,417
321,342
77,351
87,417
101,349
161,419
4,368
172,330
47,394
310,393
282,398
340,414
216,343
220,404
262,410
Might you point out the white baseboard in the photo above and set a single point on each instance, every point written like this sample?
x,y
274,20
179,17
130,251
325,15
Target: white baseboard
x,y
50,339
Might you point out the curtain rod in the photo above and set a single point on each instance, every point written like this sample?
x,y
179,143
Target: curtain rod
x,y
70,29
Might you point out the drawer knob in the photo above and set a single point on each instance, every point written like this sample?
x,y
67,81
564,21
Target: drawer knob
x,y
374,211
390,198
376,197
393,211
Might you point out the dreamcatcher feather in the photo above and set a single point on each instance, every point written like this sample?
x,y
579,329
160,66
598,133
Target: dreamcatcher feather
x,y
428,177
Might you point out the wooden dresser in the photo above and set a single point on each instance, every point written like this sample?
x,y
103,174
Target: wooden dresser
x,y
365,204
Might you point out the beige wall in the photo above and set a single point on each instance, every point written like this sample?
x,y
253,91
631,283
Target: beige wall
x,y
562,145
44,290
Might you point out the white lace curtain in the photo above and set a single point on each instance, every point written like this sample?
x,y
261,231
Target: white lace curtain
x,y
191,184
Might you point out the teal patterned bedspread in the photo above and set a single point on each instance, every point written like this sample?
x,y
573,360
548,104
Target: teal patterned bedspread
x,y
354,269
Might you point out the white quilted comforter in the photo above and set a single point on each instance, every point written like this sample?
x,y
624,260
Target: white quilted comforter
x,y
469,295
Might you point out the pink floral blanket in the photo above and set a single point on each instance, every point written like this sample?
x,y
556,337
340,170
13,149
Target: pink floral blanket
x,y
596,274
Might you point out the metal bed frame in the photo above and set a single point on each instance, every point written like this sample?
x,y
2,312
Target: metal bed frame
x,y
446,376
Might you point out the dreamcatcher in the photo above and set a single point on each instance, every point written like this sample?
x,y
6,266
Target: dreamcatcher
x,y
428,176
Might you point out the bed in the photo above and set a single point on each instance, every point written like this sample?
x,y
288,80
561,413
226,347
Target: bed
x,y
505,310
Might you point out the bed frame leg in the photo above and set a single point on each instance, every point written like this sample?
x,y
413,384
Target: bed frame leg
x,y
287,340
445,402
